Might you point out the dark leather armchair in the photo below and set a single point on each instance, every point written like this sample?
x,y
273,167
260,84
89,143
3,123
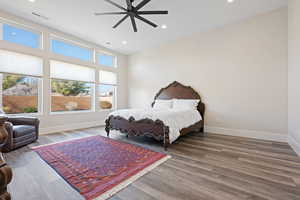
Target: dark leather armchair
x,y
21,131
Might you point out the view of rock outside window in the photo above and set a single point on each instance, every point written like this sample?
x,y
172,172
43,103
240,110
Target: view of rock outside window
x,y
20,94
107,96
70,95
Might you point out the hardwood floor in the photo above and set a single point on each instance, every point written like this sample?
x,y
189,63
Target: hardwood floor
x,y
212,168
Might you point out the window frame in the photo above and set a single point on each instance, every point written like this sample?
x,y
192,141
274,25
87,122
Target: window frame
x,y
40,104
24,27
115,105
44,52
92,109
92,92
74,43
97,60
115,98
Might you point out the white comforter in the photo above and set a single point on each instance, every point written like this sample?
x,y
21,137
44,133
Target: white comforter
x,y
174,119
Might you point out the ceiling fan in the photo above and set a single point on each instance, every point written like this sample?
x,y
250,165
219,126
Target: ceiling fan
x,y
133,12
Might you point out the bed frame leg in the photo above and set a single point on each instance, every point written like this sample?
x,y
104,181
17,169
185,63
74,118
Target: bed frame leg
x,y
166,146
202,133
166,138
107,129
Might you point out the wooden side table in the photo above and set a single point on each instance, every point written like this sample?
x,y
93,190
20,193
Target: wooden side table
x,y
5,170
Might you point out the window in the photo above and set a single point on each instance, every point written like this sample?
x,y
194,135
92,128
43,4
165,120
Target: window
x,y
107,90
21,36
72,87
70,95
71,50
107,96
106,60
20,94
20,82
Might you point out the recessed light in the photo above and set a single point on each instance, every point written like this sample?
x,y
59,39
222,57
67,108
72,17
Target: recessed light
x,y
31,1
124,42
164,26
230,1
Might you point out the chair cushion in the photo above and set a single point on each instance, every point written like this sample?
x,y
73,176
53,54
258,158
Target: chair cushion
x,y
21,130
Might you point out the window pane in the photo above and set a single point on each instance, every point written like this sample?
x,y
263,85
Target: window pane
x,y
66,71
20,94
17,63
21,36
106,60
108,78
70,50
107,96
70,95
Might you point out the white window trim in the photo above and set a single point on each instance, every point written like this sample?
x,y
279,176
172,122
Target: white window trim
x,y
44,52
93,109
115,105
72,42
115,59
40,95
21,26
115,99
1,30
71,112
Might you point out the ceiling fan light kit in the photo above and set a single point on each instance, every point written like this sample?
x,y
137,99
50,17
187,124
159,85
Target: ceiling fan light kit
x,y
133,12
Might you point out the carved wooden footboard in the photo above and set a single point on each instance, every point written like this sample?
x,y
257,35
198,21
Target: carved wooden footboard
x,y
144,127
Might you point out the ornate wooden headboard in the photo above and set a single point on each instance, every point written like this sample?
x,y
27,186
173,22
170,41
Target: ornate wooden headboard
x,y
178,91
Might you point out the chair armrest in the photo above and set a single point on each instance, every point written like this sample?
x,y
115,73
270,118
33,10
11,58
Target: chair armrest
x,y
33,121
9,129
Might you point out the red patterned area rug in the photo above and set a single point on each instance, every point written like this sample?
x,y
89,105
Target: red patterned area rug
x,y
98,167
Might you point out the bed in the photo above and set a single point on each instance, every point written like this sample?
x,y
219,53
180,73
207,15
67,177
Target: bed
x,y
132,123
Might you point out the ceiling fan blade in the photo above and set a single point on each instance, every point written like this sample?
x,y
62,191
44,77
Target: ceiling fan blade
x,y
142,4
111,13
146,21
117,5
158,12
133,23
119,22
129,5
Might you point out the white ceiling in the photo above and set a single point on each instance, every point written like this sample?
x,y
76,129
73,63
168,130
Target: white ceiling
x,y
185,18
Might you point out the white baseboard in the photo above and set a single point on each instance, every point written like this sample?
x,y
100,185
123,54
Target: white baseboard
x,y
69,127
223,131
262,135
294,144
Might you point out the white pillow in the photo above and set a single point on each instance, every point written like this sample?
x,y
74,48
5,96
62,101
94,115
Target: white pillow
x,y
163,104
188,104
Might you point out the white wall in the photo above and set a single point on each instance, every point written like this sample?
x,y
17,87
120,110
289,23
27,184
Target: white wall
x,y
239,70
60,122
294,75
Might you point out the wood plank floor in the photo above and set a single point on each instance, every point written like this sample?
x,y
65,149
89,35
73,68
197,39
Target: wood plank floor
x,y
212,168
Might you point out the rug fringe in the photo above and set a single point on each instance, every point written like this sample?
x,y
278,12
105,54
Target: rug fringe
x,y
130,180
